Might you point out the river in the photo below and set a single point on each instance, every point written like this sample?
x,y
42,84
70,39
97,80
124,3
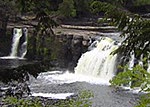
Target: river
x,y
60,84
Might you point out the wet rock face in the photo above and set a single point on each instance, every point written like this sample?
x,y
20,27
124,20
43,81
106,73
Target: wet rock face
x,y
5,42
72,48
62,50
4,36
21,72
77,48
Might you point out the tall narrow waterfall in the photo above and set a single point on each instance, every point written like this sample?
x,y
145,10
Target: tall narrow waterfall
x,y
17,33
23,49
19,48
99,62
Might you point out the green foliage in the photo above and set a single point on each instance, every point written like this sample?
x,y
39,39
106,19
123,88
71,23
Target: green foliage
x,y
14,102
136,77
83,100
73,8
45,23
145,101
43,15
134,28
25,6
141,2
82,6
136,32
8,7
67,9
121,2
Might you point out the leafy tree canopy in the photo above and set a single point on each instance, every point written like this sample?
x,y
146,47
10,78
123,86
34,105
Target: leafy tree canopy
x,y
134,28
83,7
136,33
141,2
67,9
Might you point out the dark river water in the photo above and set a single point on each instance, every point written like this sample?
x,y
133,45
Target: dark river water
x,y
58,85
12,63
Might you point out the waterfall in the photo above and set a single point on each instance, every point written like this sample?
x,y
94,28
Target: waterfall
x,y
16,50
23,49
17,33
19,44
99,62
132,60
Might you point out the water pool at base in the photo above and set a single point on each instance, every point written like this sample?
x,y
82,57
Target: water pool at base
x,y
59,85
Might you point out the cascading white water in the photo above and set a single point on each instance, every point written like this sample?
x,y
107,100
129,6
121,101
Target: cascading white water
x,y
18,50
17,33
99,62
23,49
132,60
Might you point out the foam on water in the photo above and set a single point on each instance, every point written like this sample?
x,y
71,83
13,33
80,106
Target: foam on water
x,y
53,95
60,78
12,57
57,77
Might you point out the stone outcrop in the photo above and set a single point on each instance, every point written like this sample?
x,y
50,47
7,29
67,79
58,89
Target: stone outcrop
x,y
63,50
20,72
5,42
